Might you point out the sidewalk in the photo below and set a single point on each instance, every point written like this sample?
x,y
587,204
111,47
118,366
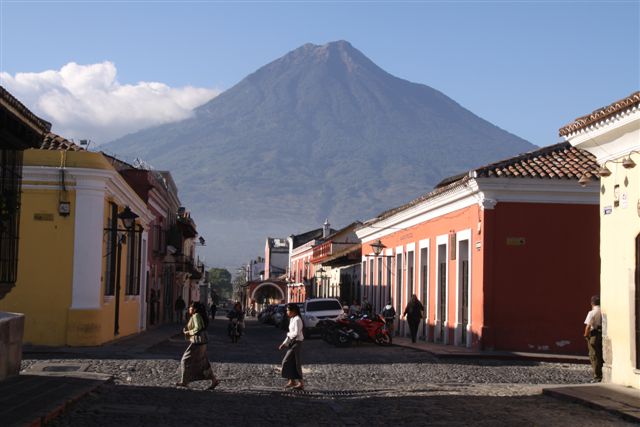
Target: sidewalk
x,y
442,351
619,400
41,393
131,344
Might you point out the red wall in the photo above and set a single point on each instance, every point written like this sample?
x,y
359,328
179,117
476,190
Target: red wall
x,y
537,293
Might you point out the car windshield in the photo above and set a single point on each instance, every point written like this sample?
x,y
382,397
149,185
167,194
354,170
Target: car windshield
x,y
323,305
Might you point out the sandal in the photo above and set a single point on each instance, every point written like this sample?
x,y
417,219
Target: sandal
x,y
298,387
213,385
181,384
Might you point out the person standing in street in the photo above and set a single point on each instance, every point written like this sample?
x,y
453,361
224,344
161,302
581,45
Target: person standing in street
x,y
354,308
179,308
389,314
292,362
593,335
214,308
238,314
413,313
367,309
195,365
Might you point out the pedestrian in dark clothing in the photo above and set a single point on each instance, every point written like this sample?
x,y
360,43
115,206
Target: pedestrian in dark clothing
x,y
593,335
179,307
389,314
214,308
367,309
413,313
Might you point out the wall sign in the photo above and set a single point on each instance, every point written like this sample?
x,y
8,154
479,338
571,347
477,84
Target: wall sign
x,y
43,217
516,241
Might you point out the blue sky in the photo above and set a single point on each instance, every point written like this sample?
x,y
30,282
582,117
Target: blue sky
x,y
528,67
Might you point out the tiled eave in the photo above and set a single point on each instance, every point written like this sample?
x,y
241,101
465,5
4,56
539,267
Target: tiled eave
x,y
546,175
601,114
56,142
18,107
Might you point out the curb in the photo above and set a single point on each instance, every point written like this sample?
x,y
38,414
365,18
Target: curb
x,y
44,415
551,358
608,406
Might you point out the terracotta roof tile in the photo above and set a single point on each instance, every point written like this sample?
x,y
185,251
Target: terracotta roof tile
x,y
601,114
555,161
56,142
559,161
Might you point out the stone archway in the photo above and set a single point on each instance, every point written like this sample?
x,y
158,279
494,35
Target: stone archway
x,y
269,290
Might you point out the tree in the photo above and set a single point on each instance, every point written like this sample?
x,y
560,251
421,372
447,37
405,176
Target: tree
x,y
220,280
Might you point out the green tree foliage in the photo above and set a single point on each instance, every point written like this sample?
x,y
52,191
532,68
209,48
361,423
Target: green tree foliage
x,y
220,280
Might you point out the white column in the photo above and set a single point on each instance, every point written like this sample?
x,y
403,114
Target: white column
x,y
87,249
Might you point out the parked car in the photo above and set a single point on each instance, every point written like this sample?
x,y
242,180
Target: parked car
x,y
279,314
266,313
318,309
284,323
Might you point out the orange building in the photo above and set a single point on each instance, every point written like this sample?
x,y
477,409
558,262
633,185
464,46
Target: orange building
x,y
502,257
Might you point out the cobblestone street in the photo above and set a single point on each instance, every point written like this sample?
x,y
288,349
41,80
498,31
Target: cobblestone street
x,y
360,385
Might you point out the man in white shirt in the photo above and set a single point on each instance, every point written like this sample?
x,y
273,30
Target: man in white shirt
x,y
593,335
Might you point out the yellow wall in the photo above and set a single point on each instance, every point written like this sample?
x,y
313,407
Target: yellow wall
x,y
43,290
618,231
71,159
45,270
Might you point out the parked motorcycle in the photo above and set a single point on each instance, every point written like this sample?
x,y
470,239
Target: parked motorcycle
x,y
343,332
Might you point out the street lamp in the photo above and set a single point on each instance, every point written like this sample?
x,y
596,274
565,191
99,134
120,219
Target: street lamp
x,y
377,246
128,218
321,271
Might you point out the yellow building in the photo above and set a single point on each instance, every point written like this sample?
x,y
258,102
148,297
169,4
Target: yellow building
x,y
612,134
72,286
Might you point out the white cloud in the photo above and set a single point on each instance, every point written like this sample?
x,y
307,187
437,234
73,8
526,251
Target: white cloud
x,y
87,102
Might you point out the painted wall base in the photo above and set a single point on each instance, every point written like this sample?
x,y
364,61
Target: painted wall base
x,y
11,333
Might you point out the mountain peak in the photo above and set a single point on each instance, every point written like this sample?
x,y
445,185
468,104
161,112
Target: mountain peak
x,y
322,131
335,55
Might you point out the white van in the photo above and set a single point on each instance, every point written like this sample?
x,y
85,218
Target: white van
x,y
317,309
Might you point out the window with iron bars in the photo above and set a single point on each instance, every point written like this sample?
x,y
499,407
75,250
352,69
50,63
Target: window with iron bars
x,y
10,182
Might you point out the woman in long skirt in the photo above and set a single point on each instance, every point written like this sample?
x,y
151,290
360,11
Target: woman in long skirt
x,y
195,365
292,362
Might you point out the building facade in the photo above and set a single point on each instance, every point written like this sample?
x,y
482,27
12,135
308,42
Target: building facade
x,y
20,129
86,289
612,134
500,256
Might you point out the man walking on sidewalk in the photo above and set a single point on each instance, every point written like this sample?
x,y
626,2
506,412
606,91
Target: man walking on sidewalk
x,y
593,335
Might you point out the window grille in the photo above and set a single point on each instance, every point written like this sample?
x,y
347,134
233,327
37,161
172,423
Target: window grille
x,y
11,178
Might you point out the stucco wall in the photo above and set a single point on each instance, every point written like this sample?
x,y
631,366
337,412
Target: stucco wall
x,y
45,268
619,229
543,269
415,238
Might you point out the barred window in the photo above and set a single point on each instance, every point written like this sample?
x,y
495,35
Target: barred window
x,y
11,177
134,248
111,233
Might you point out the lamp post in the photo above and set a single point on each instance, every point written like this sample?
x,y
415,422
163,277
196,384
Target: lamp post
x,y
377,246
128,218
321,271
